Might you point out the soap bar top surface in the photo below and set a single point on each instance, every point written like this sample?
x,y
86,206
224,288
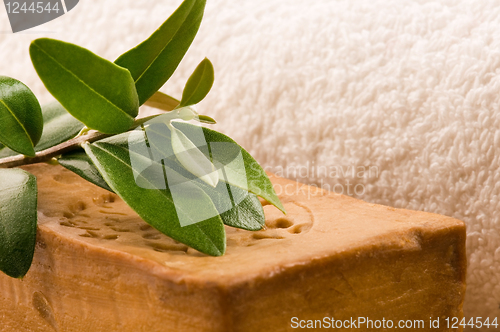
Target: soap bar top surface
x,y
318,225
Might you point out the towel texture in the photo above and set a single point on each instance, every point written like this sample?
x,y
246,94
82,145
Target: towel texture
x,y
404,93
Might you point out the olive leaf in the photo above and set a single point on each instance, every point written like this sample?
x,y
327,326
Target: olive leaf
x,y
59,126
21,122
78,162
153,62
198,84
103,98
18,219
178,220
206,119
248,214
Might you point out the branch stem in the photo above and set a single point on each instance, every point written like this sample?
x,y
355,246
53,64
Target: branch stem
x,y
84,136
55,151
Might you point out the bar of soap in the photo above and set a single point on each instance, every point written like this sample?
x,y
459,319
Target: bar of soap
x,y
99,267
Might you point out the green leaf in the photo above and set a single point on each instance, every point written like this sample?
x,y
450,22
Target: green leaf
x,y
248,214
241,209
95,91
162,101
21,121
153,62
206,119
199,84
153,201
78,162
59,126
18,219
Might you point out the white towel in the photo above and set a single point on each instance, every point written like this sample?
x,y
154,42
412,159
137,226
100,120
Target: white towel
x,y
408,88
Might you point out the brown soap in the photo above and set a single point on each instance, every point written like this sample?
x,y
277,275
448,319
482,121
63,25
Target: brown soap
x,y
99,267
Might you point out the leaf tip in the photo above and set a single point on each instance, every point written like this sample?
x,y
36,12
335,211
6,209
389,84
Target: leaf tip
x,y
280,207
30,153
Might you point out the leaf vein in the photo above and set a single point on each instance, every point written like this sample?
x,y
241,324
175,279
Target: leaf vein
x,y
19,122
